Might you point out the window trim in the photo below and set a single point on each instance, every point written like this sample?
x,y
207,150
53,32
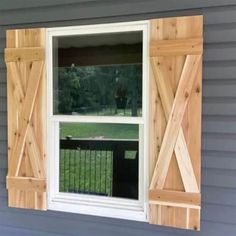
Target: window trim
x,y
82,203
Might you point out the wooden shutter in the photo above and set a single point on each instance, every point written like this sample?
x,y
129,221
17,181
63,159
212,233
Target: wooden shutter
x,y
24,57
175,121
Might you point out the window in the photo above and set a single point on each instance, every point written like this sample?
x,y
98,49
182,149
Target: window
x,y
97,119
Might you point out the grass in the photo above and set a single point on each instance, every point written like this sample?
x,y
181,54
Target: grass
x,y
92,130
86,172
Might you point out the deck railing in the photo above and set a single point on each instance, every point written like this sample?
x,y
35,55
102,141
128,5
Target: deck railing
x,y
99,166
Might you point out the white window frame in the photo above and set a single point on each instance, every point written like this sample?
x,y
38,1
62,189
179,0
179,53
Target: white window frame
x,y
91,204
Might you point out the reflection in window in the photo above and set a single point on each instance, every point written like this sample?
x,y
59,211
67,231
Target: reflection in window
x,y
98,75
100,90
99,159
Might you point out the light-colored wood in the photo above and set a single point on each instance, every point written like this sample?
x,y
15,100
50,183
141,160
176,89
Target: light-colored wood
x,y
158,121
34,154
194,219
194,116
182,173
181,149
176,216
176,47
185,164
12,68
26,183
26,180
175,196
31,142
24,54
175,118
24,120
173,204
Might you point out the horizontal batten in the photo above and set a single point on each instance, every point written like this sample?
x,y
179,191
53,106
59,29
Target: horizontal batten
x,y
175,47
24,54
26,183
174,204
175,197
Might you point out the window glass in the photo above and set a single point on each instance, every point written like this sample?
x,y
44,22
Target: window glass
x,y
98,75
99,159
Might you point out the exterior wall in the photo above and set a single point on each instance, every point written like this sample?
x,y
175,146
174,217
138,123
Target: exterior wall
x,y
219,113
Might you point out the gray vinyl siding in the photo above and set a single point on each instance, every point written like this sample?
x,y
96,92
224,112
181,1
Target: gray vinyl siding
x,y
219,113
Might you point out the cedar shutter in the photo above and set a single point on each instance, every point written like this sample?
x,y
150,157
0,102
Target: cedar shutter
x,y
26,178
175,121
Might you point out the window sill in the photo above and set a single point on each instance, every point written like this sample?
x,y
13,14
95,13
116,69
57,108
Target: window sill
x,y
99,206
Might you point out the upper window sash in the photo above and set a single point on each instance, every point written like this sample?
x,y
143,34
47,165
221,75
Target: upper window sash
x,y
98,29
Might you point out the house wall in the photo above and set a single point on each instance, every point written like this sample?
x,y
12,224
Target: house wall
x,y
219,113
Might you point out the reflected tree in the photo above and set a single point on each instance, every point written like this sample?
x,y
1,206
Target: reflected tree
x,y
99,89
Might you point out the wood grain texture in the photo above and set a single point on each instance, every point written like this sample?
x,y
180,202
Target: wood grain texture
x,y
176,47
175,196
24,54
26,183
181,149
25,117
26,180
174,122
178,154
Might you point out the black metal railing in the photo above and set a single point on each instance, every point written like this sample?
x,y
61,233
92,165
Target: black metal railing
x,y
99,166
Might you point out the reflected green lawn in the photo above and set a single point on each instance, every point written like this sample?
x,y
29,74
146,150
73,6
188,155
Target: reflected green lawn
x,y
93,130
86,172
89,171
